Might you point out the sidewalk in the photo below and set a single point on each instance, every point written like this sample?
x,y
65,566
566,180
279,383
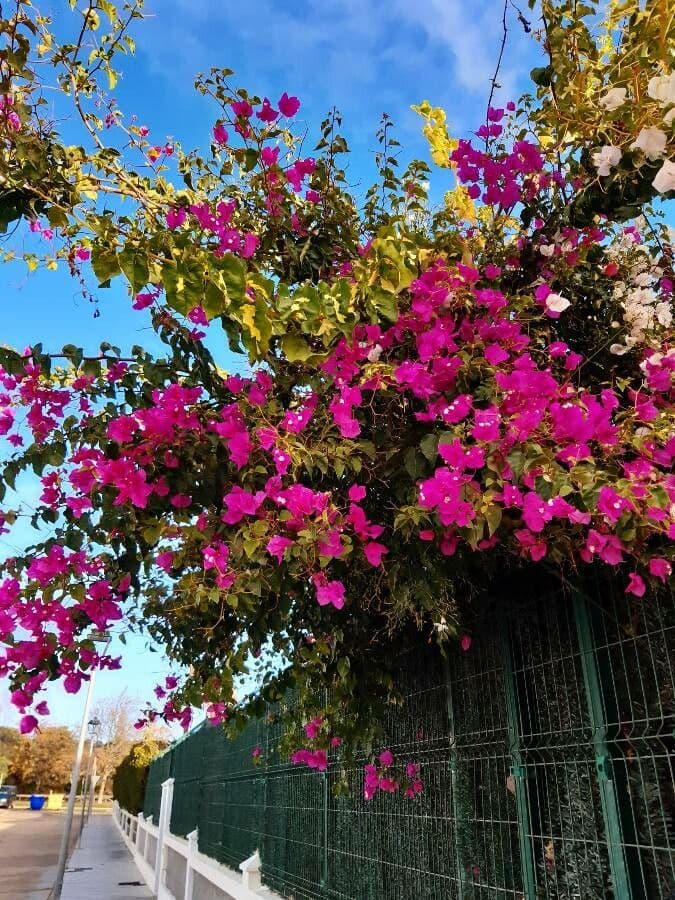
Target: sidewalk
x,y
103,869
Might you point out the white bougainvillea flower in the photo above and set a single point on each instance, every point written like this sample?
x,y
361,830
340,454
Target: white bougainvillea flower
x,y
618,349
613,99
652,142
664,314
665,178
669,116
556,303
662,88
605,158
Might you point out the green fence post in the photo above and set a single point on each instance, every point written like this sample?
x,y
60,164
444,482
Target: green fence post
x,y
518,769
603,759
324,848
461,877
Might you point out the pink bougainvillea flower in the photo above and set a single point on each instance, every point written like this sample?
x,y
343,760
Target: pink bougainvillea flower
x,y
388,785
331,545
72,683
269,156
216,556
356,492
28,724
267,113
242,108
636,585
660,568
197,316
316,759
288,106
250,245
465,642
240,503
329,592
374,552
611,504
277,545
416,787
220,135
386,758
312,728
175,218
142,301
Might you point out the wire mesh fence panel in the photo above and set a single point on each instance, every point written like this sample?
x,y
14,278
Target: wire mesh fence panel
x,y
392,846
160,770
187,775
635,647
485,806
547,753
211,805
293,825
566,827
232,807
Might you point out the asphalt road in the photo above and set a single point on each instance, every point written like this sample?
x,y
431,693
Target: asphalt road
x,y
29,849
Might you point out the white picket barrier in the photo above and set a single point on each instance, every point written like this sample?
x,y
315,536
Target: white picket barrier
x,y
169,864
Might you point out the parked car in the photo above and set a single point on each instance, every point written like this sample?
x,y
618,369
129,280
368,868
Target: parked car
x,y
7,796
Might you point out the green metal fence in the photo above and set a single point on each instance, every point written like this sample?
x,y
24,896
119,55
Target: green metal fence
x,y
548,757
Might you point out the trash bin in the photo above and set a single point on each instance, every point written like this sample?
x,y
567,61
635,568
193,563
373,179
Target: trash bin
x,y
54,801
36,801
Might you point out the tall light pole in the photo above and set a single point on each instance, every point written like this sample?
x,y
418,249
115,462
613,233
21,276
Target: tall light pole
x,y
87,783
99,637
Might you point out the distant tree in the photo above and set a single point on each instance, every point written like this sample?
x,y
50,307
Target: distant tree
x,y
4,769
10,741
131,775
43,761
116,735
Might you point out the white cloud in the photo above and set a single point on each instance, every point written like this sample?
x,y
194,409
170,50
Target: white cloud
x,y
341,44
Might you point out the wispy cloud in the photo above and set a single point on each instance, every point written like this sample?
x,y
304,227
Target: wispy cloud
x,y
356,53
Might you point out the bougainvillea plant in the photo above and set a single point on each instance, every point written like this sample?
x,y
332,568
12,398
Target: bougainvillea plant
x,y
432,392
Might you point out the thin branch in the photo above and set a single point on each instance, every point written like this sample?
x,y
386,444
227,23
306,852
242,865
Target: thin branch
x,y
505,31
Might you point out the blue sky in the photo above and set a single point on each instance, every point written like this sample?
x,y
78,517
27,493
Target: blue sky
x,y
365,56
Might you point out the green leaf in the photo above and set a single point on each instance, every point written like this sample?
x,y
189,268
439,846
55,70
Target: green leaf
x,y
296,348
152,534
250,159
493,517
541,75
429,446
214,302
233,277
73,354
105,264
92,367
413,463
134,264
343,667
11,361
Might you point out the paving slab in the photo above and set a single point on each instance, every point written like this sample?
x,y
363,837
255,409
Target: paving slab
x,y
103,869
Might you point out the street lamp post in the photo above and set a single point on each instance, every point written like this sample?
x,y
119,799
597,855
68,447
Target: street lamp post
x,y
87,782
99,637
